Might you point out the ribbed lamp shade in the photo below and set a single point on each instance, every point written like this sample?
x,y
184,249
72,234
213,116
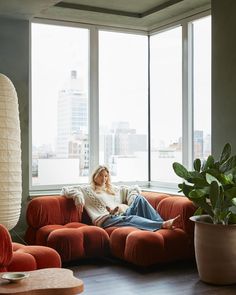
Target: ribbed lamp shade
x,y
10,155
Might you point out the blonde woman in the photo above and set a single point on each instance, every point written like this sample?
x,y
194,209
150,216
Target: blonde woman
x,y
109,205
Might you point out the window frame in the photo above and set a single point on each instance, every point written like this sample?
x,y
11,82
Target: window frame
x,y
93,97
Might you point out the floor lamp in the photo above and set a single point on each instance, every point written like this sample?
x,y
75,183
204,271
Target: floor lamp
x,y
10,155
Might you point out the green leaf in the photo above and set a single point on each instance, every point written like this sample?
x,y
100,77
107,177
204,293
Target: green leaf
x,y
210,178
225,153
199,211
180,170
230,197
214,193
228,178
201,202
197,194
228,165
234,201
186,189
197,165
208,163
197,179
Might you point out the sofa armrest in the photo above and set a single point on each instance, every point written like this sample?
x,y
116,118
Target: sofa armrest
x,y
178,205
6,250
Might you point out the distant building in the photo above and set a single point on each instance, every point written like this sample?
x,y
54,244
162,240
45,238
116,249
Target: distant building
x,y
78,148
198,144
72,116
121,140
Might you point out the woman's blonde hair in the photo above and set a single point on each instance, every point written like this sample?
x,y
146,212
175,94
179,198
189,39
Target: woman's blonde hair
x,y
108,186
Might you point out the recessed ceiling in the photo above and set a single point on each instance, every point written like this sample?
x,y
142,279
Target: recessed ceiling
x,y
135,14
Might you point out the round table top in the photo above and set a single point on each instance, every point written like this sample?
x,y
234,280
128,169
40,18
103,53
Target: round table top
x,y
47,281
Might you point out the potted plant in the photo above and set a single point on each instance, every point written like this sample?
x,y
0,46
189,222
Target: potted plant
x,y
212,188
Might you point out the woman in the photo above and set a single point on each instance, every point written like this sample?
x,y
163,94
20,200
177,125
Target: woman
x,y
109,205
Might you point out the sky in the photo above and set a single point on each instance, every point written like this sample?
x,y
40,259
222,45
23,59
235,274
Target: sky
x,y
57,50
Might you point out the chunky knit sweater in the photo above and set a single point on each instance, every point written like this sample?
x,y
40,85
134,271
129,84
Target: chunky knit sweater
x,y
95,202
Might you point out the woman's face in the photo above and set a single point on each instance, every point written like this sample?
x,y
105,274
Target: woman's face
x,y
101,178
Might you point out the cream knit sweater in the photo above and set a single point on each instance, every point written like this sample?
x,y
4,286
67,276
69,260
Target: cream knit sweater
x,y
95,203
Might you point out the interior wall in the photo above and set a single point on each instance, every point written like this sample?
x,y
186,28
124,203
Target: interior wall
x,y
223,74
14,63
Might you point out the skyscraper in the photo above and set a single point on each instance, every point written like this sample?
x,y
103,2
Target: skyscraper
x,y
72,115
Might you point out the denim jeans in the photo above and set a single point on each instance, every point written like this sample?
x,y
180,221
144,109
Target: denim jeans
x,y
140,214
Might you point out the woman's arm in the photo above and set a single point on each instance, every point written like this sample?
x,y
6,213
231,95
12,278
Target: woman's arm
x,y
75,193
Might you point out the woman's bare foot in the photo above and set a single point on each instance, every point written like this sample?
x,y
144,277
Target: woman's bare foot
x,y
169,224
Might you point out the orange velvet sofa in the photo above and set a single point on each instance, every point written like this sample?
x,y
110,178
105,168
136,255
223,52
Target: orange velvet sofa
x,y
54,221
18,257
145,248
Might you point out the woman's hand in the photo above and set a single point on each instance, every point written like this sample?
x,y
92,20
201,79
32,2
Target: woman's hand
x,y
114,211
118,209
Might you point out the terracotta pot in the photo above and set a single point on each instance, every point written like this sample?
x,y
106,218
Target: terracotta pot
x,y
215,250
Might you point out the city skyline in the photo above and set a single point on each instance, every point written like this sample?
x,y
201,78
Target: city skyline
x,y
60,56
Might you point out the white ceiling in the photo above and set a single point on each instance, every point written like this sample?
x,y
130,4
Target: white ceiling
x,y
139,14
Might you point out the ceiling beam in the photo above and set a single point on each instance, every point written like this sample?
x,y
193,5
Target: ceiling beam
x,y
97,9
160,7
117,12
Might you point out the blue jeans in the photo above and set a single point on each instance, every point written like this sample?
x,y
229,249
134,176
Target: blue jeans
x,y
140,214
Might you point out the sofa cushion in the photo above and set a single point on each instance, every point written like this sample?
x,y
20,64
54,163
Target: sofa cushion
x,y
145,248
51,210
78,243
18,257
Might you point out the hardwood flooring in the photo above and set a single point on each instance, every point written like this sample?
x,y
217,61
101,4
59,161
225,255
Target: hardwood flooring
x,y
115,278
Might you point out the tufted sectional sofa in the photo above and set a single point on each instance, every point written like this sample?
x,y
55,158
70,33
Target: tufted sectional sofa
x,y
54,221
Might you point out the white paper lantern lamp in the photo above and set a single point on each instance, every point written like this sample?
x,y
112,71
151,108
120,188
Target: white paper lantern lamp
x,y
10,155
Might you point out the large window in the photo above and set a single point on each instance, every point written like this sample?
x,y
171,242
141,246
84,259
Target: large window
x,y
202,87
60,146
135,102
166,103
123,128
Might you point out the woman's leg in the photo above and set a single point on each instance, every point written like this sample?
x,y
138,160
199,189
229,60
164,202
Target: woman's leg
x,y
141,207
139,222
135,221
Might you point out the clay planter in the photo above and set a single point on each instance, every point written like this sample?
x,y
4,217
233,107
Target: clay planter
x,y
215,250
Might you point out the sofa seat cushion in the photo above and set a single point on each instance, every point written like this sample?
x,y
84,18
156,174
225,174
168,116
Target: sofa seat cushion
x,y
26,258
74,240
145,248
42,234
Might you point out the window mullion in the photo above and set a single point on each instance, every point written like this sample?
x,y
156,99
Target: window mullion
x,y
93,100
187,84
149,115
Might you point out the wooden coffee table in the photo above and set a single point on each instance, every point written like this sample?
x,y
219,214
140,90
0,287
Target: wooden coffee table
x,y
47,281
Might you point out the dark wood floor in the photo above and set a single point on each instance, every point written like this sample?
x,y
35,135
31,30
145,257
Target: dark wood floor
x,y
114,278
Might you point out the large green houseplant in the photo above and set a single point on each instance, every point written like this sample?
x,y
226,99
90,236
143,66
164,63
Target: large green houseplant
x,y
211,185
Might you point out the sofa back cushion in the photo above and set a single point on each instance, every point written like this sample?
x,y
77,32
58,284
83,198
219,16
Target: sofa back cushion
x,y
47,210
